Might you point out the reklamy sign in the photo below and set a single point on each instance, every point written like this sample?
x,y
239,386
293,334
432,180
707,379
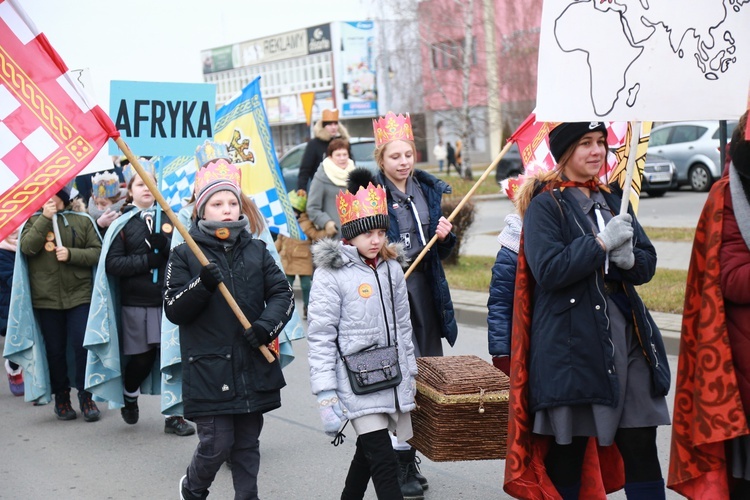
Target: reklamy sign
x,y
159,118
319,39
273,48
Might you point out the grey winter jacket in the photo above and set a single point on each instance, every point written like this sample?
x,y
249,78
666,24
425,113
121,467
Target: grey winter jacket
x,y
321,201
347,300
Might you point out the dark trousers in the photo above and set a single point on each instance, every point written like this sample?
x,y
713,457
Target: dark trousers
x,y
221,437
637,447
58,328
374,457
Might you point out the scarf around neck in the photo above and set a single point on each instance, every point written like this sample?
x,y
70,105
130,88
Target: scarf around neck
x,y
226,232
336,174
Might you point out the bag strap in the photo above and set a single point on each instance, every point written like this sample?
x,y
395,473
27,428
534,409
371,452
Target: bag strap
x,y
385,316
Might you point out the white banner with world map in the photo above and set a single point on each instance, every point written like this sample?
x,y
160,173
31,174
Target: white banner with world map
x,y
627,60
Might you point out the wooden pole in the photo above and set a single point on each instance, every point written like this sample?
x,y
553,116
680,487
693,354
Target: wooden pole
x,y
460,205
188,239
635,138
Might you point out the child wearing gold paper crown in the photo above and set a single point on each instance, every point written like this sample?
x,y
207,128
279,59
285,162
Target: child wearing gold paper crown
x,y
227,385
359,301
107,198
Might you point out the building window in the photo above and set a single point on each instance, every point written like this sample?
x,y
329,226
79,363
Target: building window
x,y
449,54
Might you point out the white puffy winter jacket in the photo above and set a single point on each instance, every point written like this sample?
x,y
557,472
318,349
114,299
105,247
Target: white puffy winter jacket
x,y
347,299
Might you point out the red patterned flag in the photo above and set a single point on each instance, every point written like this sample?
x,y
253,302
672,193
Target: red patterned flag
x,y
532,138
49,129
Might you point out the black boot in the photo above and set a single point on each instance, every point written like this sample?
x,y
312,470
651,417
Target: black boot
x,y
130,411
63,408
418,473
88,407
407,469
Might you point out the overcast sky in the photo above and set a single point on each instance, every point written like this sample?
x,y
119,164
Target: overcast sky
x,y
161,40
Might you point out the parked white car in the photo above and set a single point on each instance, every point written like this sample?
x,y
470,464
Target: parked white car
x,y
694,149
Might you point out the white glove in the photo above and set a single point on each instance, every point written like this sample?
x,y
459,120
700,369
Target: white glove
x,y
617,231
623,256
330,412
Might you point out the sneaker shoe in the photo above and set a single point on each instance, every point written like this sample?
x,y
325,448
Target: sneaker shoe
x,y
15,379
185,493
179,426
63,408
130,411
88,407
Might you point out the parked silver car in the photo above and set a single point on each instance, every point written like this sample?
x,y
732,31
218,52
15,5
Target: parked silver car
x,y
694,149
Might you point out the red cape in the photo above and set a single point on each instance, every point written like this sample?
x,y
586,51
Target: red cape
x,y
525,474
707,408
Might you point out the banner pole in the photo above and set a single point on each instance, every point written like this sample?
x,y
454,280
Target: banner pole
x,y
630,168
188,239
460,206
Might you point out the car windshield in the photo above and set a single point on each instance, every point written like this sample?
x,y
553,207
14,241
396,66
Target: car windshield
x,y
363,151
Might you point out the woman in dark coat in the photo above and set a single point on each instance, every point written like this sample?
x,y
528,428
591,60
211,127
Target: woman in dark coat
x,y
596,366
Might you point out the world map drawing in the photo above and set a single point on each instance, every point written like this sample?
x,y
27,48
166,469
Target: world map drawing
x,y
613,49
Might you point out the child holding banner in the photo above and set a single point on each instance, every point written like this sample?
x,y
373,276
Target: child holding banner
x,y
227,383
589,364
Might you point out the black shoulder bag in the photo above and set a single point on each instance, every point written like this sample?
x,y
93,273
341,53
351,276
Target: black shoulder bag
x,y
375,369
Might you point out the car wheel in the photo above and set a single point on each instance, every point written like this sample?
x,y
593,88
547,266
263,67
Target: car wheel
x,y
700,177
656,194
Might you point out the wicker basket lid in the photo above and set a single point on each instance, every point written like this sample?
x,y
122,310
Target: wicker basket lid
x,y
460,375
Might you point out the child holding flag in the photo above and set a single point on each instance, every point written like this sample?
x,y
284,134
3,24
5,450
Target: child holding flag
x,y
227,384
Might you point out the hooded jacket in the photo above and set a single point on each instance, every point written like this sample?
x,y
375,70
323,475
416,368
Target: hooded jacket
x,y
61,285
355,303
315,151
433,189
222,373
571,359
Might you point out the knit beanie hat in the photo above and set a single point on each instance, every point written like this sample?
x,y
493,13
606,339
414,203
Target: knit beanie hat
x,y
363,206
64,195
211,189
568,133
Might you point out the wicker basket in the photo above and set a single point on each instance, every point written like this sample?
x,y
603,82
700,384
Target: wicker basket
x,y
462,409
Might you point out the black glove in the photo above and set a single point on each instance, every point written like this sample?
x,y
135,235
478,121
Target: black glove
x,y
155,260
257,336
158,242
211,276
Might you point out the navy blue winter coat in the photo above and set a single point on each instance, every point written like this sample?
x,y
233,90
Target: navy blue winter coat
x,y
7,261
500,303
571,352
433,189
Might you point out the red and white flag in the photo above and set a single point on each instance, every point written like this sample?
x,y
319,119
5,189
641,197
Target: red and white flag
x,y
532,138
49,129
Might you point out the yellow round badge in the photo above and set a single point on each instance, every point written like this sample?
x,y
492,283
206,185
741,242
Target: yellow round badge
x,y
49,246
365,290
50,236
166,228
222,233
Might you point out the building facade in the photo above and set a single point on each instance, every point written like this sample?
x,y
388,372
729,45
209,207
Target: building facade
x,y
479,63
336,63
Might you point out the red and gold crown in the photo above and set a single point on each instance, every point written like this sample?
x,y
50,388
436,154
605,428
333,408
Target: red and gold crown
x,y
218,170
363,211
391,128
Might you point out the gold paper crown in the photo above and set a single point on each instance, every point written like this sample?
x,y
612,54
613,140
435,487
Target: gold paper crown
x,y
219,170
128,171
209,151
392,128
368,201
105,185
